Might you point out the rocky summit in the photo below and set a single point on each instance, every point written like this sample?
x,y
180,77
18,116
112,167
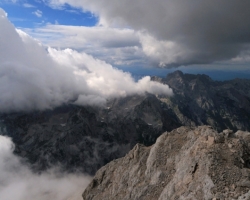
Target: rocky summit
x,y
186,163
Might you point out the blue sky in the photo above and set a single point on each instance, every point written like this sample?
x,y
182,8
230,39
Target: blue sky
x,y
30,14
133,41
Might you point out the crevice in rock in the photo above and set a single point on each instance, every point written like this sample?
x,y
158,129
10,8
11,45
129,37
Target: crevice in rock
x,y
195,168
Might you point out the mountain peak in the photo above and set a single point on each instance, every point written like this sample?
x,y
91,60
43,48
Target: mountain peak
x,y
176,73
186,163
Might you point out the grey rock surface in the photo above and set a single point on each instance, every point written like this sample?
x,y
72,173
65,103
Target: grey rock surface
x,y
186,163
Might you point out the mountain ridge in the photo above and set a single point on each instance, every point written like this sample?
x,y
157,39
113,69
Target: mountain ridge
x,y
86,138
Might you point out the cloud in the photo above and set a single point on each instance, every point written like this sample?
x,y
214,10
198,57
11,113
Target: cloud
x,y
243,57
79,36
103,79
18,182
10,1
164,53
200,33
119,47
33,77
38,13
27,5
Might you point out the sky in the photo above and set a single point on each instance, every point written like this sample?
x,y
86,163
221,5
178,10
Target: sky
x,y
144,37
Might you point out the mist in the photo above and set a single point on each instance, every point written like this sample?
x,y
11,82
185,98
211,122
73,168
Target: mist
x,y
18,182
35,77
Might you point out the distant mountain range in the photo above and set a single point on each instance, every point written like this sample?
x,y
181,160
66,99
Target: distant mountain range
x,y
199,100
86,138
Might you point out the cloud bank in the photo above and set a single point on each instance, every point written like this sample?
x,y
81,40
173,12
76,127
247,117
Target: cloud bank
x,y
117,46
35,78
18,182
184,32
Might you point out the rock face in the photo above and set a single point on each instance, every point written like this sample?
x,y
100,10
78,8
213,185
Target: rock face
x,y
187,163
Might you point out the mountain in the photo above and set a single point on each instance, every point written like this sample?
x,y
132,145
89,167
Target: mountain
x,y
187,163
198,100
86,138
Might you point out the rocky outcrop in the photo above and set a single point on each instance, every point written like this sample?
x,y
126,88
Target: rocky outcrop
x,y
187,163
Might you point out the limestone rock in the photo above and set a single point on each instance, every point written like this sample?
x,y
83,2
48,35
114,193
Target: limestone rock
x,y
187,163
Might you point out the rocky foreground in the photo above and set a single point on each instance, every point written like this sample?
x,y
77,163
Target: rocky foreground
x,y
186,163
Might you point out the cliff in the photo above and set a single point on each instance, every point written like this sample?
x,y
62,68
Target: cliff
x,y
186,163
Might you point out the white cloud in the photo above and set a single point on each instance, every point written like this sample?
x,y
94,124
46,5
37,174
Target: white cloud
x,y
78,37
10,1
102,78
243,57
38,13
18,182
32,77
164,52
27,5
114,45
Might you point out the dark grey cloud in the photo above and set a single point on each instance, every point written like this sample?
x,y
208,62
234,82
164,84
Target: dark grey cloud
x,y
200,31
